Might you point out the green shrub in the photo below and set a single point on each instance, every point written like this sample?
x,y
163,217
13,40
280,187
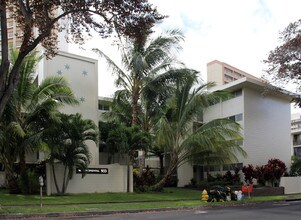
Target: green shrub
x,y
143,181
29,182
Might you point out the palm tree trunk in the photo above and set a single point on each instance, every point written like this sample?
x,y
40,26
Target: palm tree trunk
x,y
55,180
128,178
135,98
165,179
22,162
24,179
67,181
171,169
64,181
161,156
11,181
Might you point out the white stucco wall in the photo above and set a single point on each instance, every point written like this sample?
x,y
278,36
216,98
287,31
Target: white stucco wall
x,y
114,181
266,124
81,73
266,128
185,174
226,109
291,184
214,73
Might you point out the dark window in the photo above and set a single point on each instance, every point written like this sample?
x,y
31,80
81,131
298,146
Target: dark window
x,y
297,152
103,107
197,125
1,167
237,117
237,93
297,139
232,166
212,168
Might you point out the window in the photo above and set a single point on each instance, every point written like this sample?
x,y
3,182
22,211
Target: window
x,y
237,117
297,152
212,168
297,139
233,166
18,43
10,23
229,78
237,93
10,34
103,107
238,75
227,70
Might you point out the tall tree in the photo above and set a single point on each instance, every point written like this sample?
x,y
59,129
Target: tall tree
x,y
176,135
67,141
284,62
145,65
28,111
133,19
147,70
119,138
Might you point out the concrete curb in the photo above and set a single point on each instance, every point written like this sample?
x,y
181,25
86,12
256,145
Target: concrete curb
x,y
102,213
292,199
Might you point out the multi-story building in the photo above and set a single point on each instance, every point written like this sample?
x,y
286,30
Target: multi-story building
x,y
14,33
82,74
222,73
263,115
296,135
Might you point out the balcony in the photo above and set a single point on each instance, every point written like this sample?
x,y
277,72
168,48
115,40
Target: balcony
x,y
296,124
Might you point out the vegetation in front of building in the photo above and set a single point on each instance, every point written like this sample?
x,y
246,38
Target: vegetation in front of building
x,y
265,174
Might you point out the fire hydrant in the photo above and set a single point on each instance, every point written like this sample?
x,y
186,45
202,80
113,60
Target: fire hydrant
x,y
204,196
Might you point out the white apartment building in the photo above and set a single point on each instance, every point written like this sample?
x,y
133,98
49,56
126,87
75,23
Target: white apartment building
x,y
296,135
265,117
82,75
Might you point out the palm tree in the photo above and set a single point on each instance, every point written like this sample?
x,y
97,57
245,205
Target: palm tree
x,y
117,137
145,65
29,110
67,141
296,166
147,68
216,139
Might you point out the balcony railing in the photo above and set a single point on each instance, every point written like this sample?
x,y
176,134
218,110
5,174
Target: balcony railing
x,y
296,124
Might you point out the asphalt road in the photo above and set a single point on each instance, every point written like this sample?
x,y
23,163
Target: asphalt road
x,y
273,211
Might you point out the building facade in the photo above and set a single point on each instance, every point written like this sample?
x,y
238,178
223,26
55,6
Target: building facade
x,y
263,115
82,75
296,135
222,73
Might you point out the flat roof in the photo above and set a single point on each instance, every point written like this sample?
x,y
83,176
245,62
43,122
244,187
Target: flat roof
x,y
247,82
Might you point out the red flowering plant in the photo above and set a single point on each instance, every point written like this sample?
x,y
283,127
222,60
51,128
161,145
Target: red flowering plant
x,y
249,173
274,170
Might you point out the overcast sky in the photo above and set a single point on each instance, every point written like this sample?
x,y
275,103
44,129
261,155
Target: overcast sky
x,y
238,32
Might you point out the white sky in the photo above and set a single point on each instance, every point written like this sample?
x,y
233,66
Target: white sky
x,y
238,32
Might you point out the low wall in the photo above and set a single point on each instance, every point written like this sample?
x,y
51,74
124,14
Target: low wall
x,y
268,191
291,184
115,180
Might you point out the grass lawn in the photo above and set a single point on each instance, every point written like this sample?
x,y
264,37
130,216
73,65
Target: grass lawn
x,y
169,194
170,198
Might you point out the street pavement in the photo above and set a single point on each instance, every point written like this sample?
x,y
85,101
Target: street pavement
x,y
290,210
